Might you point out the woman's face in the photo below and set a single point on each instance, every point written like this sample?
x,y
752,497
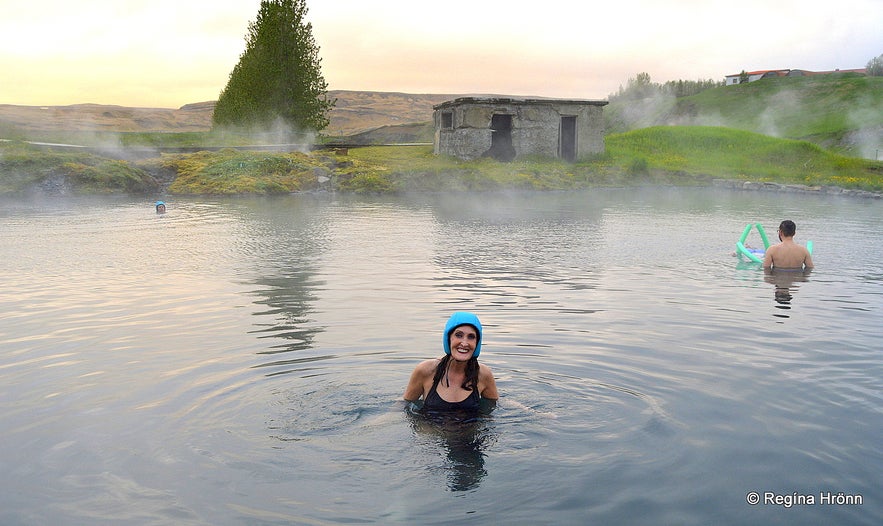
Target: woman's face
x,y
463,341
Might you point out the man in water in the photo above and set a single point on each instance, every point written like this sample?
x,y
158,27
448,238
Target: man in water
x,y
787,255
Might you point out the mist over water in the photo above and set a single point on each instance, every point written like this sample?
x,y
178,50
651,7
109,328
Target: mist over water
x,y
242,361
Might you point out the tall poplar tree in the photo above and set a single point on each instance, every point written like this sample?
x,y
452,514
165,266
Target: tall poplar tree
x,y
278,76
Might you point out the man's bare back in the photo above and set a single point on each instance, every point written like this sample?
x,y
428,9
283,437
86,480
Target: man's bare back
x,y
787,255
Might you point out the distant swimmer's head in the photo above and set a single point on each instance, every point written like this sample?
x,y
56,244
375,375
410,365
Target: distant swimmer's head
x,y
458,319
160,207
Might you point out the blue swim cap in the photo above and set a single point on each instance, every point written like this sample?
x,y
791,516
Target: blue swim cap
x,y
160,203
457,319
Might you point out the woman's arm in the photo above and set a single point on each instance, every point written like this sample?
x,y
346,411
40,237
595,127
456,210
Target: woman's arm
x,y
416,384
487,385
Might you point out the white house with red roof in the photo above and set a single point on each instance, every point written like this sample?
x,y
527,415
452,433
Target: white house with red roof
x,y
768,73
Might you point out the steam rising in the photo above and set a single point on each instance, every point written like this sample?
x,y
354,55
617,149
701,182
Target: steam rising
x,y
279,135
779,116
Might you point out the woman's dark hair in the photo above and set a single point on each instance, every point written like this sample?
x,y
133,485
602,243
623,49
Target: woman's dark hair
x,y
471,381
788,228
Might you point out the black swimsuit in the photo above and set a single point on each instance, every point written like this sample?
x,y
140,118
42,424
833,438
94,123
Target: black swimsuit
x,y
434,403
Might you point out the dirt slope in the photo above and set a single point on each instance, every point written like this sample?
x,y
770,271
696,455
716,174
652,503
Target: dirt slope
x,y
355,112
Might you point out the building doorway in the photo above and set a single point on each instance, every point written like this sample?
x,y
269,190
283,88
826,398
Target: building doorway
x,y
567,138
501,138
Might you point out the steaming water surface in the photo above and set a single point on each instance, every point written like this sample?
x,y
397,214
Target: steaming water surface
x,y
241,361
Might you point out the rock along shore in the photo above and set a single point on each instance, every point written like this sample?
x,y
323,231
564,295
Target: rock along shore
x,y
794,188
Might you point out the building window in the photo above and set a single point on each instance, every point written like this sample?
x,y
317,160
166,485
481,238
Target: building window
x,y
447,120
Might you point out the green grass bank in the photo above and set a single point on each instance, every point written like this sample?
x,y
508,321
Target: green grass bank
x,y
669,155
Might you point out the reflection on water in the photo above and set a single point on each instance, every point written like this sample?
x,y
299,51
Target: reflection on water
x,y
463,438
786,283
289,302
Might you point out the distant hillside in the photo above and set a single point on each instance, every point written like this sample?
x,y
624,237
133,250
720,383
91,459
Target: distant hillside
x,y
355,112
841,112
360,111
28,120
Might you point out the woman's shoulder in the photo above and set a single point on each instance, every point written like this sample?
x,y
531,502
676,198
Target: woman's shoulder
x,y
484,371
427,367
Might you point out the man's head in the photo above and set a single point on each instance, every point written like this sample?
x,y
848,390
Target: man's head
x,y
787,228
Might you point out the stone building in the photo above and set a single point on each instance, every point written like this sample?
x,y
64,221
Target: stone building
x,y
507,128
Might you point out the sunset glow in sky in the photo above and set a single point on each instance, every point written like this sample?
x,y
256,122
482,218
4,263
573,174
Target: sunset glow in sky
x,y
167,53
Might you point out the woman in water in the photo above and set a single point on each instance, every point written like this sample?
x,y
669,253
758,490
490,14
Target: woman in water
x,y
456,381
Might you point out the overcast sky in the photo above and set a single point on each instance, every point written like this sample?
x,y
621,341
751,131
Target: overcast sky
x,y
167,53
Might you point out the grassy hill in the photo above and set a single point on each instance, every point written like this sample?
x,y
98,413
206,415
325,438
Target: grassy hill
x,y
695,152
841,112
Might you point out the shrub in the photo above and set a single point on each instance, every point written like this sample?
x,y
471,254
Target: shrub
x,y
638,166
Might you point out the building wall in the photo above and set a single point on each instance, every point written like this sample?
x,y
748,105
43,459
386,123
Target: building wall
x,y
590,130
535,127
